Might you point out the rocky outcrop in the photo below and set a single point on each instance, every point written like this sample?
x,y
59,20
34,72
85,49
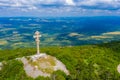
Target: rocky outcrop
x,y
42,65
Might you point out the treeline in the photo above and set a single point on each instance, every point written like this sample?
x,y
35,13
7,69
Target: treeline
x,y
89,62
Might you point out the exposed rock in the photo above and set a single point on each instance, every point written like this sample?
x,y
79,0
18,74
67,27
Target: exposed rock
x,y
118,68
42,65
1,64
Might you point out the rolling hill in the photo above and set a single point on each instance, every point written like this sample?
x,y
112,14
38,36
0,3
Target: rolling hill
x,y
87,62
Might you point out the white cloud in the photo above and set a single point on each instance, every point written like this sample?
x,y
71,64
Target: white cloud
x,y
100,2
70,2
16,5
78,7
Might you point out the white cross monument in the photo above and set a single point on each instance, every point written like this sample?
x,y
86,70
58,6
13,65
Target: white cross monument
x,y
37,36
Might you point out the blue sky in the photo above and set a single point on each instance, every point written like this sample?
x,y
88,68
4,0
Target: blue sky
x,y
40,8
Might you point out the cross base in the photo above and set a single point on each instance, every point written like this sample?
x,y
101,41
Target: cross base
x,y
37,56
37,53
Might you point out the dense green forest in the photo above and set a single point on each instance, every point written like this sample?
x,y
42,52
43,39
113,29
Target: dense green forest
x,y
88,62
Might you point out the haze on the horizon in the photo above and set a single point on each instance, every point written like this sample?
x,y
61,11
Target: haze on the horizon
x,y
59,8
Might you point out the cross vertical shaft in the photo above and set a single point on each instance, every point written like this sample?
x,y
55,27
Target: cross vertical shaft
x,y
37,36
37,43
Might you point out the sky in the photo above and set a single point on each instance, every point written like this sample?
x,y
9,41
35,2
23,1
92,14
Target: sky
x,y
44,8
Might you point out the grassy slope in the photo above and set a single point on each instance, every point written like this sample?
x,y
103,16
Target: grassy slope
x,y
90,62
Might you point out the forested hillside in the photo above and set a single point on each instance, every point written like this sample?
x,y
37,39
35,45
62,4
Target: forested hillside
x,y
88,62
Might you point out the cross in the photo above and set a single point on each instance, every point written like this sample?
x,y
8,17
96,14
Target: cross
x,y
37,36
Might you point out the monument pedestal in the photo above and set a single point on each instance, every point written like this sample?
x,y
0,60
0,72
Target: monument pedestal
x,y
37,56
